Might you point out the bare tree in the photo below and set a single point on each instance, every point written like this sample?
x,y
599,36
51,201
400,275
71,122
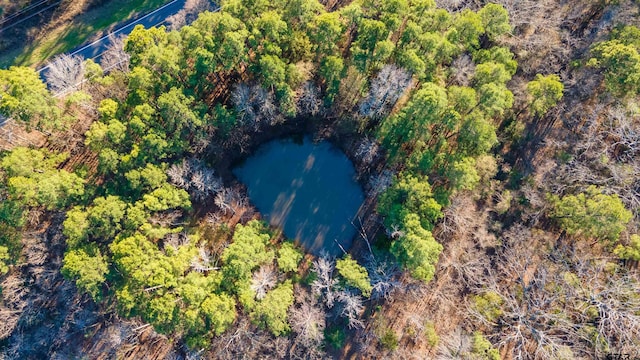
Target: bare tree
x,y
264,280
350,307
379,183
256,106
65,73
383,273
308,322
188,13
309,100
390,83
195,177
367,150
324,284
115,58
462,70
203,261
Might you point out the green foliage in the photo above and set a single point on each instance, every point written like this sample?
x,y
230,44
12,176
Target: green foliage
x,y
499,55
389,340
431,335
620,60
271,312
331,69
494,99
34,180
631,251
248,250
288,257
491,72
335,337
326,31
591,214
495,20
467,29
409,194
168,106
488,304
105,217
4,260
416,249
24,97
482,348
544,93
354,275
220,312
88,267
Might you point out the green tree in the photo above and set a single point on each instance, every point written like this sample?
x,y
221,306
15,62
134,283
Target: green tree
x,y
271,312
409,194
88,267
494,99
495,19
467,29
24,97
631,251
621,64
370,34
4,260
325,33
33,179
248,250
331,69
272,71
463,175
482,348
105,217
288,257
220,312
544,93
497,54
412,126
591,214
416,249
354,275
491,72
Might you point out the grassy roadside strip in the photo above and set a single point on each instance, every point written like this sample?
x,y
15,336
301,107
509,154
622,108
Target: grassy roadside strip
x,y
78,31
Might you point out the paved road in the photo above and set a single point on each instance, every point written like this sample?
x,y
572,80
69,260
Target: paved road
x,y
95,49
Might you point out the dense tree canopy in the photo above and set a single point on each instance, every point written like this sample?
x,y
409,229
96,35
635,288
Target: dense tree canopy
x,y
421,92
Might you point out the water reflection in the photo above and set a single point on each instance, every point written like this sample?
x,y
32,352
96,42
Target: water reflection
x,y
307,189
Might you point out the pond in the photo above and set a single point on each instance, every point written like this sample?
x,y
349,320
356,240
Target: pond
x,y
308,189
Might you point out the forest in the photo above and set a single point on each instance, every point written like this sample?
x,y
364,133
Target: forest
x,y
497,144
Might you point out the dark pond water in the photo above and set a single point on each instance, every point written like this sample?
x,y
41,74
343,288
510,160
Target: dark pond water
x,y
307,189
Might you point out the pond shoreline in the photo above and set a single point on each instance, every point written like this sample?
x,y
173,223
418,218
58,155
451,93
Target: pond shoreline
x,y
318,129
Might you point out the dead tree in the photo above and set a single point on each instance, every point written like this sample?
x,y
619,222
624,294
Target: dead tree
x,y
367,151
188,13
115,58
390,83
383,273
65,73
195,177
264,280
350,307
308,322
324,284
256,106
463,70
309,101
